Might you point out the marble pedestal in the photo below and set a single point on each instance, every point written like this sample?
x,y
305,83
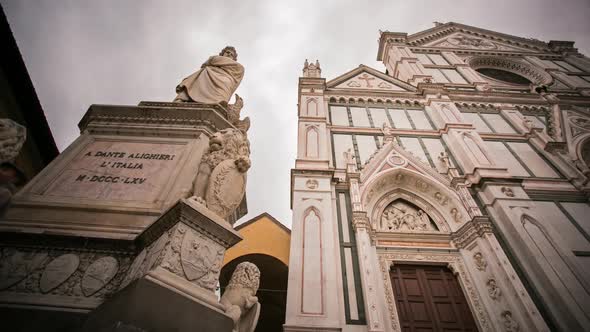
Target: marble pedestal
x,y
110,212
129,164
170,284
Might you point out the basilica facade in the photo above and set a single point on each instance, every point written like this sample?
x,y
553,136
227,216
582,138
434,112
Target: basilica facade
x,y
449,192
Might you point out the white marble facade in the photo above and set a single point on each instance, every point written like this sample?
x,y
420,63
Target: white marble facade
x,y
470,151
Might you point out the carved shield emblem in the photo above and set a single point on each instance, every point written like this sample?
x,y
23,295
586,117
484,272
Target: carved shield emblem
x,y
58,271
98,274
198,256
226,188
15,266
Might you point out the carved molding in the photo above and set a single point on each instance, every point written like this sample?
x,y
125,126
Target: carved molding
x,y
470,231
186,115
83,275
533,74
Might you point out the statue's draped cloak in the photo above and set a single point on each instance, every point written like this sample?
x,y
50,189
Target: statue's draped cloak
x,y
215,82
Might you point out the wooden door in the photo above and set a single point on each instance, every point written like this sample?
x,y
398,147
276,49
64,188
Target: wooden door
x,y
429,298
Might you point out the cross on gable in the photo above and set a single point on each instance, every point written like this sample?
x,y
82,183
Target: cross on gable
x,y
367,79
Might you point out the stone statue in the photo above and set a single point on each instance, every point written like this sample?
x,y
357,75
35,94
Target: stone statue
x,y
233,115
510,325
215,82
12,138
493,289
220,183
387,131
480,262
348,156
239,298
444,159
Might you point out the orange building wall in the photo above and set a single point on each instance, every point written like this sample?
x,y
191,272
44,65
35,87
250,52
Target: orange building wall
x,y
262,236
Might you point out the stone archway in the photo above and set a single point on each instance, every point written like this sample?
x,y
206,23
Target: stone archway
x,y
428,193
272,292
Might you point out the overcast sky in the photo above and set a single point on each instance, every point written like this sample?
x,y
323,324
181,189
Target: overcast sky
x,y
80,53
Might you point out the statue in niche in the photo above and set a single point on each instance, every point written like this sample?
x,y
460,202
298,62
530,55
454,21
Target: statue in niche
x,y
399,216
510,325
349,156
215,82
480,262
220,183
493,289
239,299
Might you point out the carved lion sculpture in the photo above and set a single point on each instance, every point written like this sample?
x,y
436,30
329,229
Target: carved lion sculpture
x,y
221,180
239,298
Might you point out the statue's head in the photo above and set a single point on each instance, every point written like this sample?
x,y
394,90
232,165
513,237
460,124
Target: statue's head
x,y
246,275
229,52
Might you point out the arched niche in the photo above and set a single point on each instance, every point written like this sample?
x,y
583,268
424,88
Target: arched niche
x,y
272,292
312,107
438,200
413,204
311,262
312,138
476,150
448,114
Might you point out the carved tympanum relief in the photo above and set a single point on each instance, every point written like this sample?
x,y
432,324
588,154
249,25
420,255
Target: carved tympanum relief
x,y
402,216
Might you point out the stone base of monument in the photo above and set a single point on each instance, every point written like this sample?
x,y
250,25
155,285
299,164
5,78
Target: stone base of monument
x,y
170,285
149,305
173,265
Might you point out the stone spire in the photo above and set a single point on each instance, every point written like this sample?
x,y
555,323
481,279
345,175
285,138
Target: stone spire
x,y
312,70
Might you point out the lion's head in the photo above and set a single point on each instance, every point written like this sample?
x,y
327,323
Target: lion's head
x,y
246,275
226,144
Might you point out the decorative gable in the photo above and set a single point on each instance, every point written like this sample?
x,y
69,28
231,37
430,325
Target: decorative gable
x,y
368,81
464,41
366,78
